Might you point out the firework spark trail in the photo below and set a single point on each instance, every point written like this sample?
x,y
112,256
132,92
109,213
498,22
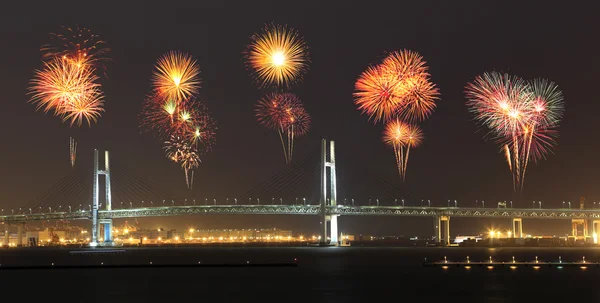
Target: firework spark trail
x,y
72,151
522,115
285,113
278,56
402,137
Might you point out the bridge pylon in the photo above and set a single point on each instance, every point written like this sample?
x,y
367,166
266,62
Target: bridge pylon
x,y
106,223
325,183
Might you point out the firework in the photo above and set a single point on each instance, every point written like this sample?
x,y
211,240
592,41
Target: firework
x,y
69,90
375,93
179,150
176,77
278,56
192,122
399,86
522,117
72,151
285,113
77,45
402,137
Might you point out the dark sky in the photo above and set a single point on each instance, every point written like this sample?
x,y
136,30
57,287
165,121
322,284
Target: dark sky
x,y
458,39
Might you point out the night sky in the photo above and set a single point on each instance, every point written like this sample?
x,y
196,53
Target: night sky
x,y
459,40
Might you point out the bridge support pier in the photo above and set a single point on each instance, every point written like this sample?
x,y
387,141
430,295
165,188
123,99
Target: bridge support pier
x,y
575,224
20,228
437,232
6,234
107,226
441,226
517,227
96,224
330,182
595,229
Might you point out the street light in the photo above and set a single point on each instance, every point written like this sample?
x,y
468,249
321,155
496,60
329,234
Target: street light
x,y
280,201
31,212
402,202
304,199
448,203
215,200
258,200
121,205
569,204
130,204
533,204
511,204
49,209
352,202
69,209
540,204
563,204
395,201
429,203
142,203
235,201
482,203
455,203
377,200
172,202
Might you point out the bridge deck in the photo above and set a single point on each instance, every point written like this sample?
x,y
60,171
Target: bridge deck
x,y
343,210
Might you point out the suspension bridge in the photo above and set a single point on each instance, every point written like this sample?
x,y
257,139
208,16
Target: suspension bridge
x,y
317,172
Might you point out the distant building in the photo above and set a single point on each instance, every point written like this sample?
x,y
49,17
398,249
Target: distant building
x,y
460,239
239,234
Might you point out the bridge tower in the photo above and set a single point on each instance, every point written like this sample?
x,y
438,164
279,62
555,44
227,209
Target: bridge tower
x,y
96,223
325,181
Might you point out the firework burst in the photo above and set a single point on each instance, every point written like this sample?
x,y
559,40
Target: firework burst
x,y
285,113
278,56
402,137
69,90
79,46
176,77
522,116
175,117
399,86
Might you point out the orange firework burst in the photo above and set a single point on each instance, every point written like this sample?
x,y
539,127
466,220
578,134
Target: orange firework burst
x,y
70,90
285,113
278,55
400,86
402,137
176,76
375,93
78,45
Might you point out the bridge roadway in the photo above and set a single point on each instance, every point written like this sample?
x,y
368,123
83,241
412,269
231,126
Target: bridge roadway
x,y
342,210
